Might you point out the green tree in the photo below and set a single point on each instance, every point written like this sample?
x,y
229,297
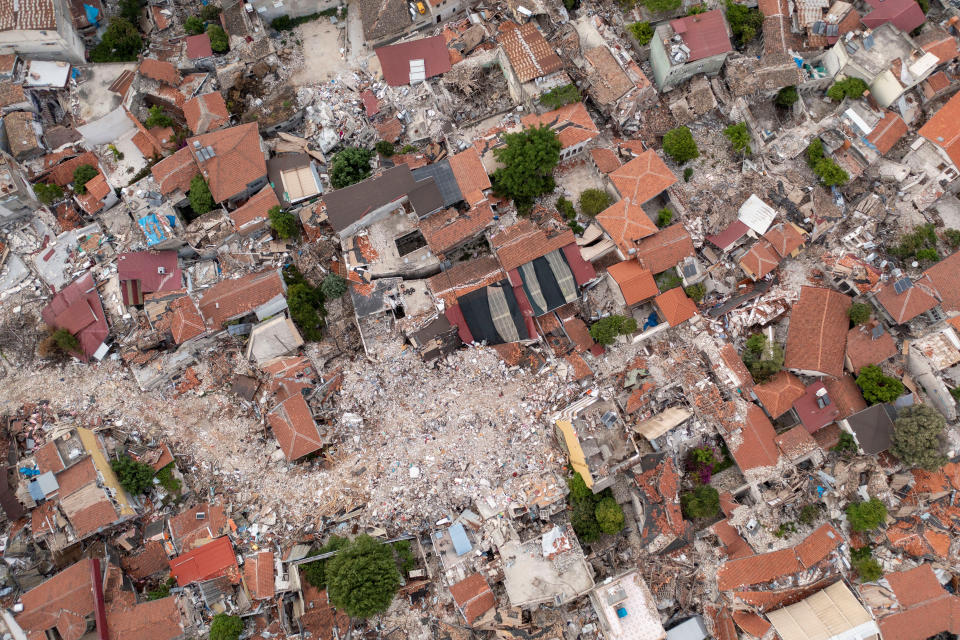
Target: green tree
x,y
565,207
850,88
664,217
135,477
866,516
350,166
809,513
578,488
642,31
697,9
701,502
859,313
560,96
920,237
66,341
696,291
121,42
876,387
315,572
679,144
662,6
593,201
224,627
384,148
304,303
219,41
130,10
606,330
952,236
762,357
528,159
687,174
745,22
609,515
82,175
739,138
157,118
917,433
786,97
210,12
928,255
829,172
333,286
867,568
201,200
845,444
584,521
283,222
193,25
47,193
362,578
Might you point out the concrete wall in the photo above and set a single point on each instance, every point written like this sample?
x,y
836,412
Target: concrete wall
x,y
62,44
667,75
293,8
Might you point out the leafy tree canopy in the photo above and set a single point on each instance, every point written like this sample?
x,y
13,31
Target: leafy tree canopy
x,y
787,97
201,200
82,175
193,25
763,358
224,627
528,158
66,341
350,166
362,578
305,303
121,42
219,41
560,96
850,88
135,477
593,201
283,222
859,313
606,330
47,193
384,148
679,144
157,118
662,6
877,387
866,516
745,22
916,437
315,572
739,138
609,515
642,31
701,502
333,286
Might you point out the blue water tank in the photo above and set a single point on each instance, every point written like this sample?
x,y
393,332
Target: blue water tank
x,y
621,612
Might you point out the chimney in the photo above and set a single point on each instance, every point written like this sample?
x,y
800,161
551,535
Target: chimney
x,y
870,99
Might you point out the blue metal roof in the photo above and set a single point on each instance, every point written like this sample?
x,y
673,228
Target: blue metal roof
x,y
460,542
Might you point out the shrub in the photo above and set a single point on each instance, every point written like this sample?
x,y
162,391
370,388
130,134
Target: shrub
x,y
282,23
867,568
784,529
739,138
701,502
121,42
786,97
566,209
745,22
224,627
849,88
664,217
584,521
201,200
283,222
333,286
350,166
701,463
846,444
384,148
593,201
859,312
407,561
916,437
65,341
556,98
578,488
809,513
667,280
209,12
679,144
877,387
952,236
315,572
662,6
130,10
82,175
687,174
219,41
928,255
302,302
362,578
696,291
762,358
920,237
829,172
866,516
135,477
606,330
157,118
609,515
697,9
642,31
167,480
47,193
955,392
193,25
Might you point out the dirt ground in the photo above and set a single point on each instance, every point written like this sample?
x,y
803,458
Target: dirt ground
x,y
321,42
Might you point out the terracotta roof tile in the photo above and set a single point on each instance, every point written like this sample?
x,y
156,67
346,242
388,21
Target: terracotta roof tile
x,y
321,618
751,623
760,260
468,171
636,283
579,333
175,172
675,307
198,47
212,560
579,367
723,627
817,336
11,93
70,591
939,42
665,249
915,586
231,299
643,178
864,349
785,238
258,575
923,621
524,242
733,361
705,34
572,124
395,59
149,560
187,530
734,544
445,230
253,215
186,323
238,159
818,545
294,427
48,458
779,393
605,160
945,279
473,597
943,129
845,394
160,71
76,476
465,277
757,569
152,620
626,223
206,112
887,132
754,447
530,55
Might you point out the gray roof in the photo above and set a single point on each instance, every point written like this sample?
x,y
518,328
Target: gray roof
x,y
425,197
383,18
873,427
348,205
444,178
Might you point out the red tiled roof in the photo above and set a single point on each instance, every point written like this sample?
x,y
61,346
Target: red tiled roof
x,y
626,223
665,249
779,393
147,561
943,129
524,242
186,323
445,230
818,545
154,270
58,601
906,306
906,15
863,349
734,544
578,366
468,171
175,172
95,190
198,46
152,620
722,623
530,55
675,306
754,447
845,395
321,618
187,530
572,124
473,597
77,309
605,159
705,34
643,178
733,361
370,102
635,282
760,260
237,162
206,112
915,586
62,173
811,414
258,575
785,238
397,59
887,132
765,567
294,427
162,21
945,279
817,335
48,458
76,476
751,623
726,238
465,277
212,560
161,71
231,299
253,215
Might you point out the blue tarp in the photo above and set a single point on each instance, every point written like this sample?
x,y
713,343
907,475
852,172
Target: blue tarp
x,y
93,14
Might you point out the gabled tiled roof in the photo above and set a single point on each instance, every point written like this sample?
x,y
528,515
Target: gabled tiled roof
x,y
796,443
665,249
186,323
754,447
943,129
447,229
253,215
935,40
234,298
237,162
62,173
705,34
473,597
675,306
468,171
785,238
906,306
258,575
58,602
155,270
175,172
572,124
636,283
845,394
77,308
887,132
927,608
212,560
765,567
188,530
626,223
760,260
945,279
524,241
151,620
864,349
530,55
160,71
147,561
198,47
294,428
396,60
779,393
206,112
605,159
817,337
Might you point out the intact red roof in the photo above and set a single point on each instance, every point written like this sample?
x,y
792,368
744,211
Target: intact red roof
x,y
231,299
726,238
396,60
635,282
906,15
77,309
705,34
945,279
938,42
915,586
58,602
904,307
186,322
253,215
151,620
77,476
760,260
62,173
818,545
321,618
943,129
48,458
525,241
643,178
468,171
779,393
258,575
206,112
765,567
665,249
754,446
626,223
817,337
530,55
845,394
161,71
751,623
198,46
863,348
887,132
785,238
473,597
675,306
572,124
811,414
447,229
238,159
175,172
156,270
605,159
187,529
212,560
294,427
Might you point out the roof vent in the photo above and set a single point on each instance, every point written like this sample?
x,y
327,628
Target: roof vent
x,y
196,144
201,515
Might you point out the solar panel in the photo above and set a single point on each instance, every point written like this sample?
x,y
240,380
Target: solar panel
x,y
689,270
902,285
877,332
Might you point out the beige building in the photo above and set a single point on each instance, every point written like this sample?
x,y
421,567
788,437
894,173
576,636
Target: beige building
x,y
41,29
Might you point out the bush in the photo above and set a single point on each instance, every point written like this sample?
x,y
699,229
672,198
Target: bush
x,y
333,286
697,9
876,387
592,513
739,138
82,175
193,26
667,280
157,118
47,193
696,291
283,222
662,6
315,572
210,12
664,217
65,341
282,23
384,148
952,236
745,22
786,97
928,255
866,516
850,88
859,313
867,568
362,578
921,237
135,477
702,502
593,201
687,174
829,172
609,515
679,144
762,358
584,521
219,41
606,330
566,209
578,488
121,42
955,392
224,627
167,480
528,159
642,31
303,306
916,437
350,166
201,200
846,444
556,98
407,560
130,10
286,23
809,513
